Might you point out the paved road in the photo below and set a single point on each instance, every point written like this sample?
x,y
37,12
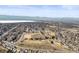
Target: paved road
x,y
9,31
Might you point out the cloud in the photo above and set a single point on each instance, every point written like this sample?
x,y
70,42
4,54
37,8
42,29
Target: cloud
x,y
40,10
70,7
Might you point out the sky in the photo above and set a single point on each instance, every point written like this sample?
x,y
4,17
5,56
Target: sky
x,y
40,10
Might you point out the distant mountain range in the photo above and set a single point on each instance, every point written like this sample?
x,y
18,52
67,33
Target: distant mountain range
x,y
63,19
8,17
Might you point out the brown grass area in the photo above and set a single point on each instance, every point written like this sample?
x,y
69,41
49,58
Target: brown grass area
x,y
43,44
36,44
40,44
2,49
